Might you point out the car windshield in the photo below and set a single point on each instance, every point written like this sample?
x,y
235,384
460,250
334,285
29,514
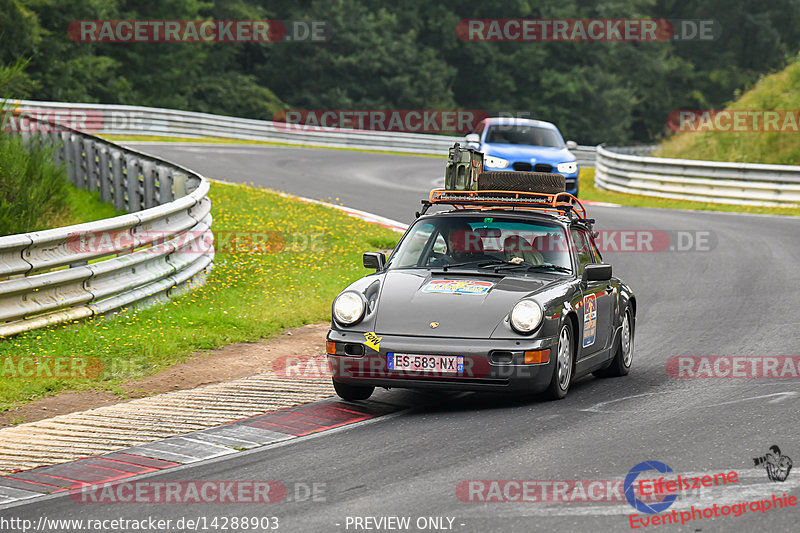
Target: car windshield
x,y
522,134
482,242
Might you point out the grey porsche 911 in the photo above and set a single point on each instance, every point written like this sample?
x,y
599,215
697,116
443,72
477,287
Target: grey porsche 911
x,y
505,292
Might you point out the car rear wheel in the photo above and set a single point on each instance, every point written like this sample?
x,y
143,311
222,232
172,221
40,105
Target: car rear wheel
x,y
543,182
623,358
562,371
352,393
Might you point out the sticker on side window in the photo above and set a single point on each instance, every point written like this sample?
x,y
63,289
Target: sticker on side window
x,y
455,286
589,319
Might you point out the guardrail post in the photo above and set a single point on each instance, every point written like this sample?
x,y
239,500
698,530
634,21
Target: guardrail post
x,y
55,141
118,180
91,165
78,161
164,185
179,184
134,185
149,184
104,174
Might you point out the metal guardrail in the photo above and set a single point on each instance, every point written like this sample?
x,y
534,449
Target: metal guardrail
x,y
134,120
702,181
161,247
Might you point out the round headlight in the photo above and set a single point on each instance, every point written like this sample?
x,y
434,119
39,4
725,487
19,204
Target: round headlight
x,y
526,316
348,308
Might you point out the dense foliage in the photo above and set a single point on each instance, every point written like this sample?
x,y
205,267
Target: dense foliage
x,y
406,55
32,188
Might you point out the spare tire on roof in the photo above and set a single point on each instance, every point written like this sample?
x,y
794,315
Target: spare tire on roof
x,y
543,182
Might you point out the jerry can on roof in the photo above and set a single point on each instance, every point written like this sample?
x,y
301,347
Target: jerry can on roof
x,y
463,167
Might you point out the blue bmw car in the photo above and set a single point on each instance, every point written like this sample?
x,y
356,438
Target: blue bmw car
x,y
526,145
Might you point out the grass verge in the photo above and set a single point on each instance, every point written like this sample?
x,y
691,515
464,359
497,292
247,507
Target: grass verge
x,y
588,191
81,206
225,140
312,253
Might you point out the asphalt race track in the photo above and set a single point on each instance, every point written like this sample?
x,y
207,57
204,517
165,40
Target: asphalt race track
x,y
734,294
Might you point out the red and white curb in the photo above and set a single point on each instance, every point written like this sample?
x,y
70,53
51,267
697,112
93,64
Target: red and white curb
x,y
227,439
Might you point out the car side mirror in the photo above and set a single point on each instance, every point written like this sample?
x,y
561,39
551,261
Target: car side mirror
x,y
597,273
374,260
572,145
473,140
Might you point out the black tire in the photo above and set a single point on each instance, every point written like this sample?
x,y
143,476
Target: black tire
x,y
559,383
621,364
352,393
543,182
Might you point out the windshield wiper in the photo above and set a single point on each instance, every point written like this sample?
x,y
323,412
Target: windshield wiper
x,y
528,266
557,268
493,262
465,263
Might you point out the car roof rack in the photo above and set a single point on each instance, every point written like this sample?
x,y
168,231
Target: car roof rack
x,y
561,203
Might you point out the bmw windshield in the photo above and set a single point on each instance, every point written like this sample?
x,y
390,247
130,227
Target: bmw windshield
x,y
523,134
480,241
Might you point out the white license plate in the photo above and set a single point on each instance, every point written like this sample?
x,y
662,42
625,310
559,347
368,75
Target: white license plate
x,y
445,364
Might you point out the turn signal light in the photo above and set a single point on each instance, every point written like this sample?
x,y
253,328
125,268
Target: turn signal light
x,y
330,347
537,357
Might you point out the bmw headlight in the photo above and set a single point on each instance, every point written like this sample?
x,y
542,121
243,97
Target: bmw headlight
x,y
567,168
348,308
494,162
526,316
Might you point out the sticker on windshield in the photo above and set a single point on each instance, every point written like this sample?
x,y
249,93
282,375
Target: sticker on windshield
x,y
589,319
455,286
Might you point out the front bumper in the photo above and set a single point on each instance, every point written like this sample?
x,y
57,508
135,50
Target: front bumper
x,y
483,369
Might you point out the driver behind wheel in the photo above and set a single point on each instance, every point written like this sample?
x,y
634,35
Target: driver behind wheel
x,y
516,248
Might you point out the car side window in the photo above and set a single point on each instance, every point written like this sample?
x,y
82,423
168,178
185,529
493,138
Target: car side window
x,y
583,247
413,245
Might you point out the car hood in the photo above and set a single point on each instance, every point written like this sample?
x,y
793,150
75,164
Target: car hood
x,y
524,152
467,306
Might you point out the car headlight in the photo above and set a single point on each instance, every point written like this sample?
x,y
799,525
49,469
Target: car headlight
x,y
526,316
348,308
494,162
567,168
